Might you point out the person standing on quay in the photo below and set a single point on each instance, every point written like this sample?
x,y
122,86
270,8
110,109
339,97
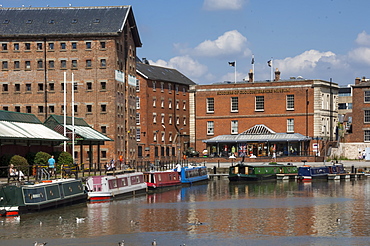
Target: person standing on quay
x,y
51,163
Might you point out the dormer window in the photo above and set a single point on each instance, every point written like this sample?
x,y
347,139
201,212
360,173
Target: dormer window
x,y
51,21
29,22
6,21
74,21
97,21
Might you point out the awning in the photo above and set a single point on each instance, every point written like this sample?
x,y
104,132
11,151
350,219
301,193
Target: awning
x,y
242,138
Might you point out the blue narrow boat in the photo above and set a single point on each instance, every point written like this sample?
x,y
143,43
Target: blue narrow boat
x,y
307,173
193,174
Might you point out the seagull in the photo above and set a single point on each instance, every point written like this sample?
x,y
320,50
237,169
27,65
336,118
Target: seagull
x,y
134,222
338,220
40,244
154,243
121,243
197,222
80,220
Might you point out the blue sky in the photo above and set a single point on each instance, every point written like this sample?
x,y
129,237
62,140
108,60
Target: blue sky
x,y
316,39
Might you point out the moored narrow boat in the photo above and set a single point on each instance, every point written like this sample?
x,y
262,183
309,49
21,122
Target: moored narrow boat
x,y
191,174
105,187
307,173
255,172
32,197
160,179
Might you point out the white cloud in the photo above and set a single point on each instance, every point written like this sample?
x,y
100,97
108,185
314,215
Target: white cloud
x,y
305,62
223,4
363,39
230,43
360,55
184,64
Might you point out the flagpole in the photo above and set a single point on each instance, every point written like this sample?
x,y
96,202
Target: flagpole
x,y
235,72
253,68
65,111
272,68
73,117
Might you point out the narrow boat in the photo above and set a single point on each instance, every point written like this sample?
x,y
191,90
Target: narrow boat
x,y
191,174
105,187
307,173
160,179
32,197
255,172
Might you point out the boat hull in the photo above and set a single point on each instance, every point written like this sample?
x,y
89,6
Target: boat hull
x,y
161,179
192,174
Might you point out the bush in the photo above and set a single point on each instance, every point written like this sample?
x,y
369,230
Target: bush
x,y
20,163
42,158
65,158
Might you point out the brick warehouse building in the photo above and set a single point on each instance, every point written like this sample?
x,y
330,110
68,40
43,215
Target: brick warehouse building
x,y
295,117
162,113
96,44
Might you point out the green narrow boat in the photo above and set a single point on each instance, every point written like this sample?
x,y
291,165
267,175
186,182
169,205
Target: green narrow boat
x,y
255,172
19,199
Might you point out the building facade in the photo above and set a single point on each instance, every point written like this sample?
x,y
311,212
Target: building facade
x,y
294,106
42,47
162,107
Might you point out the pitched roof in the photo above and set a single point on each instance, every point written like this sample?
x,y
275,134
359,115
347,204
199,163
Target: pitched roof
x,y
70,21
162,74
18,117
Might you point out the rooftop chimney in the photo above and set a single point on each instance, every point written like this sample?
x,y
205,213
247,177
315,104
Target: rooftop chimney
x,y
277,75
357,81
251,79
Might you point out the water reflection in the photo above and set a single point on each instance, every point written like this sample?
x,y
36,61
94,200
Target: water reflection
x,y
217,212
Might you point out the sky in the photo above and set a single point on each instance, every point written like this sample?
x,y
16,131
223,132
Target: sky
x,y
315,39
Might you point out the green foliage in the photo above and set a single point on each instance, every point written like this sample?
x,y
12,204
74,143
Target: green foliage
x,y
19,162
5,160
65,158
42,158
30,156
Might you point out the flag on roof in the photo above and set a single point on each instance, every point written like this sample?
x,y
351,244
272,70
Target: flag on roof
x,y
269,63
232,64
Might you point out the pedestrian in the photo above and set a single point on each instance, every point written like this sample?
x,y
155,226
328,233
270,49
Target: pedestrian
x,y
51,163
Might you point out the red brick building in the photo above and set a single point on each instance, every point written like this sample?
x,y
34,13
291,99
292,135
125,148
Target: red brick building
x,y
98,45
299,109
162,106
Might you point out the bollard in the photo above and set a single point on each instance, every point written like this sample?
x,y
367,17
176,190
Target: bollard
x,y
214,170
353,169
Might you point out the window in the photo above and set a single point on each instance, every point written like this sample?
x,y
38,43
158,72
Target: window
x,y
89,86
367,96
16,65
4,65
184,121
103,129
170,104
40,64
177,104
290,125
17,109
5,87
154,102
367,116
63,85
88,63
63,64
137,85
210,105
17,87
28,87
40,109
170,120
103,108
177,89
88,45
154,118
184,105
163,136
102,45
63,46
137,118
74,45
162,119
155,137
51,86
234,104
103,85
28,64
234,127
27,46
260,103
103,154
51,46
75,108
74,64
138,138
89,108
162,103
290,102
28,109
367,135
103,63
177,120
51,64
51,109
162,87
154,89
16,46
210,127
40,86
169,88
4,46
137,102
5,108
39,46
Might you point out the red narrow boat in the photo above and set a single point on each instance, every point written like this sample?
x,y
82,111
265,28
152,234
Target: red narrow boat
x,y
159,179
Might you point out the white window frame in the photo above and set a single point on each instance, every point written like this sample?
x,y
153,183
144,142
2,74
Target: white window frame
x,y
289,102
366,116
210,128
210,105
154,102
137,85
367,96
163,136
170,119
162,118
154,118
366,135
137,102
234,126
259,103
137,118
290,125
234,104
138,135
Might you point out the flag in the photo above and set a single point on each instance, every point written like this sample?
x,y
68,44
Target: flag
x,y
252,62
232,64
269,63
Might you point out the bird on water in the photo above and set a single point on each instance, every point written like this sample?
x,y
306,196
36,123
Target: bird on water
x,y
121,243
154,243
39,244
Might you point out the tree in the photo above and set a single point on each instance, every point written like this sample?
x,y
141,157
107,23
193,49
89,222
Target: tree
x,y
65,158
42,158
20,163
